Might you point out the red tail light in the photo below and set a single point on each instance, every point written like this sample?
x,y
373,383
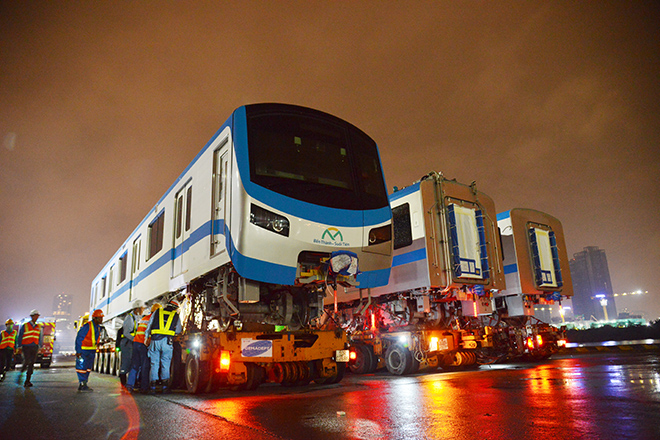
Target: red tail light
x,y
530,343
225,361
539,340
352,355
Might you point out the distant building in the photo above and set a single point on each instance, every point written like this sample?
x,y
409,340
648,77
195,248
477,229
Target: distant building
x,y
592,285
65,334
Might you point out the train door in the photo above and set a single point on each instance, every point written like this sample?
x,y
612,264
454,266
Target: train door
x,y
182,220
220,194
135,267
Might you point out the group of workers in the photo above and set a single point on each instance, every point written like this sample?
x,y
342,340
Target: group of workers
x,y
25,341
146,346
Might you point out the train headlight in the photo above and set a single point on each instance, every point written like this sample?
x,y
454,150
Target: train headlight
x,y
380,235
269,220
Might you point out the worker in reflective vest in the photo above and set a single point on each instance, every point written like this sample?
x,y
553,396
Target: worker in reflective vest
x,y
126,344
29,340
86,343
163,325
140,359
7,344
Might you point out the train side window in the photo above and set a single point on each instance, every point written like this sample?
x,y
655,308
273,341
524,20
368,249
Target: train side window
x,y
402,226
136,255
156,234
188,207
110,276
123,264
179,216
103,282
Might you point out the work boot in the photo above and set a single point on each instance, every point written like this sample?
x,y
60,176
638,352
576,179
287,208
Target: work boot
x,y
166,389
152,387
122,379
84,388
27,384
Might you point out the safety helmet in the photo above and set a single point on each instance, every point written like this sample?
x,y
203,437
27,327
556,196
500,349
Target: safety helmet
x,y
98,313
35,312
174,302
138,304
9,321
155,306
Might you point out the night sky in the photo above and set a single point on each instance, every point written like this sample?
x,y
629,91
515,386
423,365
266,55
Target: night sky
x,y
553,106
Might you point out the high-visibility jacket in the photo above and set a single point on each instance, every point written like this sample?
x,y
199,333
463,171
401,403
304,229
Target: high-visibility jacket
x,y
8,339
160,326
141,329
90,336
31,333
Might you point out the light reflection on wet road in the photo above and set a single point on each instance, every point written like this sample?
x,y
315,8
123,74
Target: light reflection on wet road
x,y
587,397
598,396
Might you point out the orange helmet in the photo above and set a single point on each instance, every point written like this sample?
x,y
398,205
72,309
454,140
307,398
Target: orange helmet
x,y
98,313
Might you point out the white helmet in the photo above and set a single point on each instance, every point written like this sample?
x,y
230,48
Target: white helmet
x,y
35,312
138,304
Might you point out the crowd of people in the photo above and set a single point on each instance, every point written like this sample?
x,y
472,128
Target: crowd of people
x,y
145,342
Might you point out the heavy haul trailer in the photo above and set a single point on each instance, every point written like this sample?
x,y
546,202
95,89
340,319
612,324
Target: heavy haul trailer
x,y
446,265
281,203
537,272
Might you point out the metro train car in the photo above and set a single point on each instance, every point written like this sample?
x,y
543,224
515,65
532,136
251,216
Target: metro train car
x,y
536,268
281,203
447,262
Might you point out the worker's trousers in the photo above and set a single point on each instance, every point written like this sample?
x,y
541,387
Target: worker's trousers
x,y
160,353
84,364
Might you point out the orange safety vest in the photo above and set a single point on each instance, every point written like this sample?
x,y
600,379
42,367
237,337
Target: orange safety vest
x,y
31,333
89,343
8,339
141,329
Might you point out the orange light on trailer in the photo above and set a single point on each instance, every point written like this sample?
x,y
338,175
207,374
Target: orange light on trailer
x,y
475,308
530,343
373,321
352,355
539,340
433,345
225,360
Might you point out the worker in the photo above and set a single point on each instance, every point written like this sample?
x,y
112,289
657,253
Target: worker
x,y
7,345
29,339
86,343
163,325
140,357
126,344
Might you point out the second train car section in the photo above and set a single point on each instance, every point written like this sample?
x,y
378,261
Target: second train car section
x,y
446,264
537,272
281,202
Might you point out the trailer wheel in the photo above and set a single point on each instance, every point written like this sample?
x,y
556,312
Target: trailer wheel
x,y
197,374
365,360
398,360
45,364
341,369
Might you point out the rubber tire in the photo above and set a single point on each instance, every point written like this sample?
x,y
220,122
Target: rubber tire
x,y
364,360
398,360
45,365
196,375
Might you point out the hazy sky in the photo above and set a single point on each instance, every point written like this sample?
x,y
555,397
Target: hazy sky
x,y
547,105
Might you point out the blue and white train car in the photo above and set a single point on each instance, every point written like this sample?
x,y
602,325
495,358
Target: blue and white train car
x,y
280,202
536,264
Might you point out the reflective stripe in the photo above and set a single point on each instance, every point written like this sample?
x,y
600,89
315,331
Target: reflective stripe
x,y
135,326
31,333
89,343
141,329
165,329
8,339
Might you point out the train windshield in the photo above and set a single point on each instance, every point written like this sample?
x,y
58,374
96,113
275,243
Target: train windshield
x,y
314,157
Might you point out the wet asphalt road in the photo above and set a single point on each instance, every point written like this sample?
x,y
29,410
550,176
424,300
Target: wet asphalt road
x,y
593,396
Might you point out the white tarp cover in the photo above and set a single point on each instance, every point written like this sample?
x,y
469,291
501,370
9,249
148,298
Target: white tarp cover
x,y
545,256
468,242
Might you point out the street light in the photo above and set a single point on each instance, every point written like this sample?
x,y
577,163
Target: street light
x,y
603,302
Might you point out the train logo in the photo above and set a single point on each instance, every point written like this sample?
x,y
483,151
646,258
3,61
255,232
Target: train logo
x,y
332,233
256,348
